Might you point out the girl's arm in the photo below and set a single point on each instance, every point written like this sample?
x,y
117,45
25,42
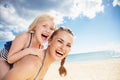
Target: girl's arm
x,y
18,49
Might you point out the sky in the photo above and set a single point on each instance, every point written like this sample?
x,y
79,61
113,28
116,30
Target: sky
x,y
95,23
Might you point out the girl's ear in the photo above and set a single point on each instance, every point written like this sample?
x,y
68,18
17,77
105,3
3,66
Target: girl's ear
x,y
36,27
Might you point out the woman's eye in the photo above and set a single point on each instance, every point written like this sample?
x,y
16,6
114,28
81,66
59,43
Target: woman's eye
x,y
69,46
60,41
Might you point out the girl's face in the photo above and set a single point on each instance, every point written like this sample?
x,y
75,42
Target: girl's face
x,y
44,30
60,45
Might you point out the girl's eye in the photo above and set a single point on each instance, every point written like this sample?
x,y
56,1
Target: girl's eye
x,y
52,29
44,25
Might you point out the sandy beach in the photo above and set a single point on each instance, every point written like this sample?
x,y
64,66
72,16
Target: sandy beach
x,y
108,69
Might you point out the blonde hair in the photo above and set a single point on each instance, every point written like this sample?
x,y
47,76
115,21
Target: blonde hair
x,y
39,19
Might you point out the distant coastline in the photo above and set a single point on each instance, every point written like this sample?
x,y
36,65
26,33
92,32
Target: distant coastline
x,y
98,55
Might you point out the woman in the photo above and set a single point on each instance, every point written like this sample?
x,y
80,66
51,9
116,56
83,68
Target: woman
x,y
34,68
30,42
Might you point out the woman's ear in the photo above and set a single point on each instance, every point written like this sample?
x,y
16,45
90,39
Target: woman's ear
x,y
49,41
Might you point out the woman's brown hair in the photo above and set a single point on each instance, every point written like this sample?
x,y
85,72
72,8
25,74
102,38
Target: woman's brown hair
x,y
62,69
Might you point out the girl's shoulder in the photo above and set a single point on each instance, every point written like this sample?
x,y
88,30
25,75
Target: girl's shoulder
x,y
23,35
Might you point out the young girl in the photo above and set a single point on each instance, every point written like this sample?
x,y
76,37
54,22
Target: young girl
x,y
34,68
30,42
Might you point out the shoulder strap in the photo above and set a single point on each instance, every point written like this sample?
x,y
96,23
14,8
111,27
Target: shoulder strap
x,y
41,65
30,40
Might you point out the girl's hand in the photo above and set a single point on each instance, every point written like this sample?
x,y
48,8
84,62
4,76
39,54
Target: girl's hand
x,y
36,51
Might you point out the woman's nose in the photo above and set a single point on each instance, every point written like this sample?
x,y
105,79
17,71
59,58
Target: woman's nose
x,y
63,47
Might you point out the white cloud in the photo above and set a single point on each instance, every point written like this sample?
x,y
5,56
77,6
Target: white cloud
x,y
116,2
4,36
17,16
88,8
12,20
58,16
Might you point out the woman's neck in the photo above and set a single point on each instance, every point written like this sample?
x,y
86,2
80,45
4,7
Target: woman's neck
x,y
48,60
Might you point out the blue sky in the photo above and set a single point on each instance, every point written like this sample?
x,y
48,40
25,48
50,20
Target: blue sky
x,y
95,23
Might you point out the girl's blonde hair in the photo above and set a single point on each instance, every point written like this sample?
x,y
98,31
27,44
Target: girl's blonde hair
x,y
39,19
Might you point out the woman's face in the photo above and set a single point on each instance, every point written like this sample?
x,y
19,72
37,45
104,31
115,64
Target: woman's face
x,y
60,45
44,30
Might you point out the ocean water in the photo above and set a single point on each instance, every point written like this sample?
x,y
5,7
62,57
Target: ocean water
x,y
92,56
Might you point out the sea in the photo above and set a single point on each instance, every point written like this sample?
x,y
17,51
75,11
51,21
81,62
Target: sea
x,y
97,55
